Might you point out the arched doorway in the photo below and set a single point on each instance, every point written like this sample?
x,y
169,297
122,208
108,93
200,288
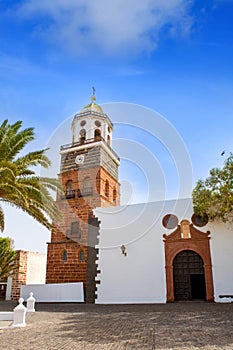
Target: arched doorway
x,y
189,276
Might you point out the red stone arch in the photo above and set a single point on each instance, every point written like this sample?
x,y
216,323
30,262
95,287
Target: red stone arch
x,y
199,243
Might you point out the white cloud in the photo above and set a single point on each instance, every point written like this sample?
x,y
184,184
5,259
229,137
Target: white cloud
x,y
112,27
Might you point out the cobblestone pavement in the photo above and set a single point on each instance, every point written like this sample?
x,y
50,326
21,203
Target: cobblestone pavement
x,y
179,326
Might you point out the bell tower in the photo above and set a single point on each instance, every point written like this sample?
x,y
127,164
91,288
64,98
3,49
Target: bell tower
x,y
89,179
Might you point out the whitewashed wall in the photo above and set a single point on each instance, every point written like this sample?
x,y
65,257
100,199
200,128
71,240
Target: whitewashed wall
x,y
140,276
36,268
221,244
57,292
8,288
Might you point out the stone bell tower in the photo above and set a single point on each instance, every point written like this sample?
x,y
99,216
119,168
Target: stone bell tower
x,y
89,178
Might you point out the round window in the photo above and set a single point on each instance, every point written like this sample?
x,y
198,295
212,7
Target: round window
x,y
97,123
199,220
83,122
170,221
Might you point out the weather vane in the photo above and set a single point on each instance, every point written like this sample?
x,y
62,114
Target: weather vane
x,y
93,90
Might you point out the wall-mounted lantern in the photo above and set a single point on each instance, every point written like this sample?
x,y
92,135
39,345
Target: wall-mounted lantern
x,y
123,250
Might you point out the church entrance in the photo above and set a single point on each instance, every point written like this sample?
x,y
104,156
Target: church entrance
x,y
3,286
189,276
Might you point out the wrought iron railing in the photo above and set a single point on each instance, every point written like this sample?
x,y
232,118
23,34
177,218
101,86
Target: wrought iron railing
x,y
88,141
88,191
70,194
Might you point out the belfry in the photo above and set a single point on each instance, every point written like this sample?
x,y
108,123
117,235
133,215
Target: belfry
x,y
89,179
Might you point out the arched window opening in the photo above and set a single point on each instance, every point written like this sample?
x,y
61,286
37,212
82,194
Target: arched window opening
x,y
81,255
64,255
87,188
69,189
107,188
109,140
114,194
98,181
97,134
87,182
82,135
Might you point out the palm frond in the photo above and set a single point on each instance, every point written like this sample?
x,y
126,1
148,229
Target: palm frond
x,y
32,159
19,185
1,219
7,258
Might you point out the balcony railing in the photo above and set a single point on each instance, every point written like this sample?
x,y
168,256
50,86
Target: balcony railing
x,y
88,141
88,191
70,194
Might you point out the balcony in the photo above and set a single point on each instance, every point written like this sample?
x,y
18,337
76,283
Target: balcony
x,y
70,194
88,191
89,141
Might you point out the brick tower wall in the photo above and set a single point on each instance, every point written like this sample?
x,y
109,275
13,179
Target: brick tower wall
x,y
64,262
20,277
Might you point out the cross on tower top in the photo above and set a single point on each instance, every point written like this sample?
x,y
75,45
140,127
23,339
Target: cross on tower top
x,y
93,97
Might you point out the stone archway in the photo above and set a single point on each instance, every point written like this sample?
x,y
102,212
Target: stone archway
x,y
188,238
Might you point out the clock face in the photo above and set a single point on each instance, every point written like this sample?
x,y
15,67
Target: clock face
x,y
79,159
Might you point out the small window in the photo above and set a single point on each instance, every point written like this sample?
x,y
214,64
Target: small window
x,y
87,182
69,189
83,122
107,188
200,221
114,195
75,229
64,255
82,135
109,129
97,123
87,189
97,134
170,221
108,139
81,255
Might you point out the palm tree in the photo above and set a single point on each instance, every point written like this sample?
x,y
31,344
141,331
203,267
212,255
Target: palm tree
x,y
8,264
19,184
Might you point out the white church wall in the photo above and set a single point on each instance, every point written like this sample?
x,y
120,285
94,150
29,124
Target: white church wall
x,y
138,277
221,246
8,288
56,292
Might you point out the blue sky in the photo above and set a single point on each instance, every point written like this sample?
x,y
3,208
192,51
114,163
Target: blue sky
x,y
173,57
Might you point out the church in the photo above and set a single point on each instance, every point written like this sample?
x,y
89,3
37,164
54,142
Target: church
x,y
154,252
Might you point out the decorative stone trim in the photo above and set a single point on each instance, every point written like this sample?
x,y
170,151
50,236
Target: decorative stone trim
x,y
194,240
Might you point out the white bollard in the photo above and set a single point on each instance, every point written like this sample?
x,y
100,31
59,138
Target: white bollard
x,y
19,315
31,303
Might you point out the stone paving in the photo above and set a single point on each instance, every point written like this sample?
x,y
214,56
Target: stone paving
x,y
177,326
